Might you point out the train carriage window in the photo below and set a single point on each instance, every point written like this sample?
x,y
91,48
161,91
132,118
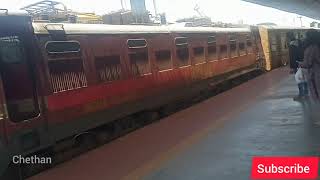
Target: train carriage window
x,y
163,59
233,46
136,43
55,47
11,50
139,63
65,66
138,57
183,57
181,41
199,56
67,75
212,48
223,53
212,52
211,40
182,51
242,49
249,45
108,68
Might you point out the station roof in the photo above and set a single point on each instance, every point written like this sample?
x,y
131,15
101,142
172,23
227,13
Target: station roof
x,y
309,8
42,28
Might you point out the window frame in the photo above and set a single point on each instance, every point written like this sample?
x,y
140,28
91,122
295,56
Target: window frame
x,y
134,51
181,46
219,54
137,47
203,60
156,60
131,55
22,51
249,39
98,59
65,52
212,44
243,50
233,40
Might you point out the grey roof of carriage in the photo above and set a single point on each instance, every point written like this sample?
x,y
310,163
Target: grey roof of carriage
x,y
40,28
5,12
284,27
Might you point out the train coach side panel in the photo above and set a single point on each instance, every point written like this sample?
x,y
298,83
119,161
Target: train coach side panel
x,y
72,105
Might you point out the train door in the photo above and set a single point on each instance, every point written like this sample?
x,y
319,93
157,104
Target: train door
x,y
17,70
17,79
3,138
4,150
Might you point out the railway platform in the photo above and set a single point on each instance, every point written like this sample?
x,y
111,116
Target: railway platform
x,y
215,139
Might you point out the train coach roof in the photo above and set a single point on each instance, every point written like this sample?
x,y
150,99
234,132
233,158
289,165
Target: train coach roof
x,y
41,28
5,12
283,27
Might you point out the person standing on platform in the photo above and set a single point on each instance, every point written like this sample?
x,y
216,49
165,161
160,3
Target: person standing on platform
x,y
294,52
295,57
311,61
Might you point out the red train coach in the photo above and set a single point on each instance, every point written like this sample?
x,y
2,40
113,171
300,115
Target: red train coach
x,y
59,80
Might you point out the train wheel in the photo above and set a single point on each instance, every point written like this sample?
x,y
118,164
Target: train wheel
x,y
85,141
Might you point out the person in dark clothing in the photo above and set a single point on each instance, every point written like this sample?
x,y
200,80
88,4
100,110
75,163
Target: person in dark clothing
x,y
312,63
295,53
295,58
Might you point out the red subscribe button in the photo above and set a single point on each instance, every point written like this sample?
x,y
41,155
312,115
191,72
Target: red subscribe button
x,y
285,168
